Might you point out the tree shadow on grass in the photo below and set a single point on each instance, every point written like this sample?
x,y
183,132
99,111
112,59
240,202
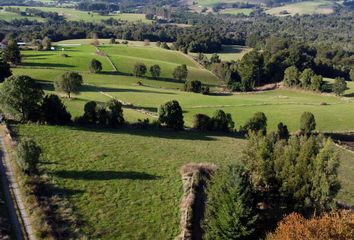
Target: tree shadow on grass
x,y
349,95
46,85
47,65
92,88
105,175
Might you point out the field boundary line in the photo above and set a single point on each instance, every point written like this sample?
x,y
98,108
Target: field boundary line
x,y
131,106
108,59
17,198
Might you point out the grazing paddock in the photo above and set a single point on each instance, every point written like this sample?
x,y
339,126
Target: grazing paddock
x,y
125,183
229,52
306,7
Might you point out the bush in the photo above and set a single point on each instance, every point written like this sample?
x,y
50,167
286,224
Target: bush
x,y
283,132
171,114
202,122
205,90
27,155
256,124
54,111
222,121
339,86
95,66
307,123
193,86
335,225
90,115
115,113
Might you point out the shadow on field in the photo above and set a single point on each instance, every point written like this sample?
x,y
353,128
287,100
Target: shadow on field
x,y
91,88
161,133
47,65
46,85
349,95
105,175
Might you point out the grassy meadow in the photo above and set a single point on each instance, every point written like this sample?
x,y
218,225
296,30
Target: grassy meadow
x,y
235,11
279,105
229,52
125,184
77,15
306,7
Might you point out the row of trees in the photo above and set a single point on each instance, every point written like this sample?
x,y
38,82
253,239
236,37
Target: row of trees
x,y
306,79
277,176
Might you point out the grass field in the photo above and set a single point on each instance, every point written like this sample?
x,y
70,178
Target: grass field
x,y
125,184
230,52
279,105
235,11
77,15
211,3
9,16
307,7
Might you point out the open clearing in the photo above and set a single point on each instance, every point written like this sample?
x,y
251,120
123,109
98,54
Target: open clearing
x,y
77,15
211,3
307,7
126,184
230,52
235,11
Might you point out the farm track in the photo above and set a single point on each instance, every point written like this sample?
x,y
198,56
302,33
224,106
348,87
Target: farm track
x,y
13,198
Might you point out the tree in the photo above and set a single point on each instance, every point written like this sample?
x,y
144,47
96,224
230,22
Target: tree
x,y
215,58
329,226
95,66
70,82
256,124
155,71
193,86
317,83
90,114
222,121
139,69
251,70
27,155
339,86
283,132
171,114
54,111
116,113
351,74
291,76
12,53
230,209
202,122
5,70
305,77
46,43
180,72
102,115
20,97
307,123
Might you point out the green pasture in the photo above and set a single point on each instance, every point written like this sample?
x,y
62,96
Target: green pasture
x,y
306,7
9,16
77,15
78,58
235,11
211,3
229,52
125,183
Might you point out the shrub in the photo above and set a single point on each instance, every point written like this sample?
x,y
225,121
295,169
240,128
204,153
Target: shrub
x,y
171,114
54,111
27,155
307,123
335,225
339,86
222,121
256,124
90,114
193,86
205,90
202,122
283,132
95,66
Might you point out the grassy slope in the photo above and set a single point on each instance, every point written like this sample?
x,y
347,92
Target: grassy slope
x,y
125,57
126,184
9,16
307,7
235,11
230,52
76,15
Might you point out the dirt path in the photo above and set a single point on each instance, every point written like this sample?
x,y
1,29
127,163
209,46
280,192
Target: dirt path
x,y
13,198
98,52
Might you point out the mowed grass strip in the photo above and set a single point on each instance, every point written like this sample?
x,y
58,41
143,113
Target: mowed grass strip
x,y
125,184
229,52
306,7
